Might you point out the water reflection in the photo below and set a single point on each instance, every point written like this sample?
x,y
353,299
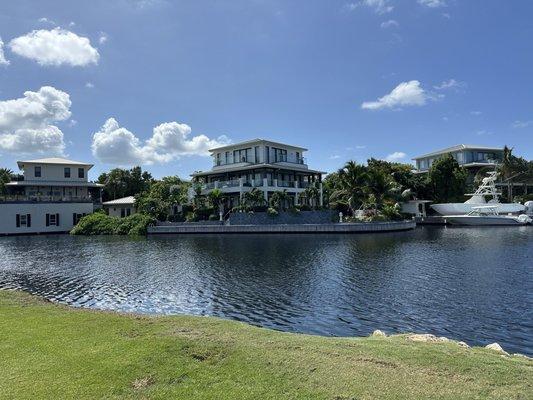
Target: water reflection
x,y
469,284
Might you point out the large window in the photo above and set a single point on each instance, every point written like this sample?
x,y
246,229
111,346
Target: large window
x,y
81,173
37,171
242,155
67,172
280,155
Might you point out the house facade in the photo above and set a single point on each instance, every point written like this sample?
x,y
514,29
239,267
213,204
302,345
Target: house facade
x,y
262,164
470,157
123,207
52,196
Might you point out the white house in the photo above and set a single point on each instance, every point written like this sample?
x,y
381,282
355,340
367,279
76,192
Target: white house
x,y
263,164
468,156
52,196
122,207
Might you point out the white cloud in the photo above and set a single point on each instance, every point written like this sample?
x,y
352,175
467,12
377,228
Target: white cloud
x,y
450,84
334,157
3,60
391,23
396,156
379,6
483,132
26,123
432,3
102,38
117,145
522,124
89,85
55,47
476,113
405,94
45,20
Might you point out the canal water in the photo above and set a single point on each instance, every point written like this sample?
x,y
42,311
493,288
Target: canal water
x,y
471,284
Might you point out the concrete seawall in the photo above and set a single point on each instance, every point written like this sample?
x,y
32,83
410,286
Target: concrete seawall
x,y
368,227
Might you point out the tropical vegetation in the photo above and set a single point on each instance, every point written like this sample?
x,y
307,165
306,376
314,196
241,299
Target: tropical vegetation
x,y
99,223
50,351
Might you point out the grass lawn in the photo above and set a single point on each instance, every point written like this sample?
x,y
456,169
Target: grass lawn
x,y
49,351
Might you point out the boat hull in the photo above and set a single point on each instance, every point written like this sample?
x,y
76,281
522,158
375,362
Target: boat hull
x,y
470,220
465,208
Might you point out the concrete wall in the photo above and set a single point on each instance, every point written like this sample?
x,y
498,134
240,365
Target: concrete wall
x,y
38,211
302,217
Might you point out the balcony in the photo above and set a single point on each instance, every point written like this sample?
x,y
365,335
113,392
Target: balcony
x,y
22,198
239,184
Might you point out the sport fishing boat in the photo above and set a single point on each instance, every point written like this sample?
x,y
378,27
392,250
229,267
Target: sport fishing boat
x,y
487,189
488,216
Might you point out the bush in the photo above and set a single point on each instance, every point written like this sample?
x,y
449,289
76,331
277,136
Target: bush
x,y
272,212
99,223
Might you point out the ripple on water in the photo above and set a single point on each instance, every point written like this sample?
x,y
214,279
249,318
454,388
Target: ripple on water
x,y
469,284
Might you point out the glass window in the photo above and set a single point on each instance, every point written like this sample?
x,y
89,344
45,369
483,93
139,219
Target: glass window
x,y
81,173
37,171
67,172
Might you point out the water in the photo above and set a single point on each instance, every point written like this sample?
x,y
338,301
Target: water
x,y
468,284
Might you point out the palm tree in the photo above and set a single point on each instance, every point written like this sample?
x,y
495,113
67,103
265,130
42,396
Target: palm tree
x,y
278,199
5,177
381,186
312,194
349,188
253,198
216,197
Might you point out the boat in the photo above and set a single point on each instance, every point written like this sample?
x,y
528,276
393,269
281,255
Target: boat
x,y
487,216
478,199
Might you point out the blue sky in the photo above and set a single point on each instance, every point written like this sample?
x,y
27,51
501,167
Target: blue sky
x,y
158,82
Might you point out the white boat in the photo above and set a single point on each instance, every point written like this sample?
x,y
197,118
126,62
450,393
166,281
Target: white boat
x,y
487,216
478,199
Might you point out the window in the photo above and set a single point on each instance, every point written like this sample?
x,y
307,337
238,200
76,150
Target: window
x,y
280,155
23,220
128,212
256,154
227,157
81,173
52,219
242,155
67,172
122,212
218,158
37,171
267,154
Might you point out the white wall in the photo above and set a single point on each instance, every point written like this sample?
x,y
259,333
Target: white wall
x,y
54,172
114,211
38,211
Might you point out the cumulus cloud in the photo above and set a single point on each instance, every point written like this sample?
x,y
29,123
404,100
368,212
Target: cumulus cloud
x,y
379,6
3,60
522,124
391,23
117,145
432,3
27,123
405,94
396,156
55,47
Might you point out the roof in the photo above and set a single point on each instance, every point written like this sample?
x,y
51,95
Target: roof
x,y
54,183
54,160
249,142
458,147
256,166
122,201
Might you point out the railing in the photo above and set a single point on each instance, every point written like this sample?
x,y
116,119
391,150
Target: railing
x,y
286,184
285,159
41,199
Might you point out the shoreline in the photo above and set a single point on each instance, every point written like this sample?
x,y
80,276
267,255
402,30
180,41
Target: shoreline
x,y
123,355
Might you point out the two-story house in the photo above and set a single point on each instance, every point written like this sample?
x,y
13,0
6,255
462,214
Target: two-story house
x,y
52,196
470,157
263,164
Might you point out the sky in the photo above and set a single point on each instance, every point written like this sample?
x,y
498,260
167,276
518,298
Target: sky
x,y
158,82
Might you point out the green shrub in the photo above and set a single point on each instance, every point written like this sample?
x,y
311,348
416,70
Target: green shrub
x,y
99,223
272,212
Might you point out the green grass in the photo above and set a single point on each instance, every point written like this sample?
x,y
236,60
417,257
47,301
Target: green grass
x,y
49,351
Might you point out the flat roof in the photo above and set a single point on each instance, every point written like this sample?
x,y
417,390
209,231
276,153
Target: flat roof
x,y
255,166
458,147
122,201
54,160
258,140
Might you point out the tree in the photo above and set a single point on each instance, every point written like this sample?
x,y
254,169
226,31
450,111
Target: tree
x,y
162,195
216,197
5,176
122,182
312,194
348,189
381,187
447,180
279,199
253,198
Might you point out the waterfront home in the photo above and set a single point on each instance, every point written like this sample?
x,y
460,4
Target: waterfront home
x,y
263,164
470,157
53,194
122,207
